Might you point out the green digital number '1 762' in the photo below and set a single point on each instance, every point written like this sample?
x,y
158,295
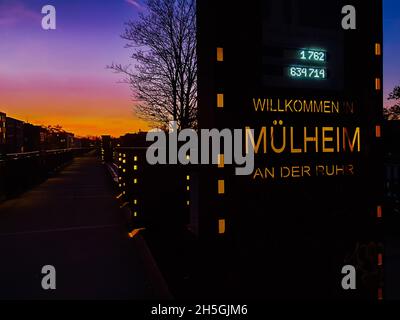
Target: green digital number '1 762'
x,y
312,55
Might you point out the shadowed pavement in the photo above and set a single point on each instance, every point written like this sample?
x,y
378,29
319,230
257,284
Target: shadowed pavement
x,y
72,222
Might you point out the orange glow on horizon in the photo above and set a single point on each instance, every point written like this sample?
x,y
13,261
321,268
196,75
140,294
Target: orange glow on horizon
x,y
93,126
81,106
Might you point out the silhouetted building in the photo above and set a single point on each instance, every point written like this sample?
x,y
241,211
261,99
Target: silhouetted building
x,y
84,143
33,137
133,140
59,140
67,140
14,135
2,132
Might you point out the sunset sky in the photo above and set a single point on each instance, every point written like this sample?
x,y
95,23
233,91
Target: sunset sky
x,y
60,77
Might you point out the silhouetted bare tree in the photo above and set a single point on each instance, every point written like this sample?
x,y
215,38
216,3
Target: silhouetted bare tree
x,y
393,112
164,77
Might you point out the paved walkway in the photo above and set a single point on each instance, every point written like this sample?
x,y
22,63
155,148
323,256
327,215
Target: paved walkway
x,y
72,222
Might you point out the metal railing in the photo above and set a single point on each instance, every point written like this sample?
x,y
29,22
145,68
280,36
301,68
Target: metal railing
x,y
21,171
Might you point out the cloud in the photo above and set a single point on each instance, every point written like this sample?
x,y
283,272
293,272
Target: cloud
x,y
15,12
135,3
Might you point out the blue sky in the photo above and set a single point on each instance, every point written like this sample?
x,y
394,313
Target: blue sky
x,y
391,37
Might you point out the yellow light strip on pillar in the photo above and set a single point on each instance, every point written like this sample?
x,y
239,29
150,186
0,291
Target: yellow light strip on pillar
x,y
221,226
220,100
379,212
221,161
378,131
380,294
380,259
220,54
377,84
378,49
221,186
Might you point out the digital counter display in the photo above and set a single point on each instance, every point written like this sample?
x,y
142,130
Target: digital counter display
x,y
301,72
312,64
306,55
312,55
